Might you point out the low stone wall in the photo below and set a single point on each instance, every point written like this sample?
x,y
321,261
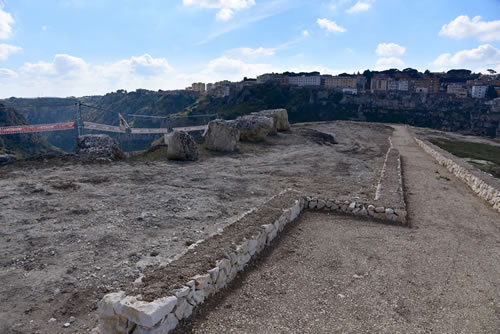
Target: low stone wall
x,y
121,314
389,214
478,186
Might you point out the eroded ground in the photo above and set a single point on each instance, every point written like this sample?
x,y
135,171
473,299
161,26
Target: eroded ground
x,y
71,232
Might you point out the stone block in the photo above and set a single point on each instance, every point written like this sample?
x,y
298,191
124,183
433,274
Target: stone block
x,y
202,281
146,314
214,272
321,204
224,265
313,204
180,309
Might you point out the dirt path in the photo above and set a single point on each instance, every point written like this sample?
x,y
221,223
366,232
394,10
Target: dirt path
x,y
340,274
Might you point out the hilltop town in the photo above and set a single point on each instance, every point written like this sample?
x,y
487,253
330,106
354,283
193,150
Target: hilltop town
x,y
460,83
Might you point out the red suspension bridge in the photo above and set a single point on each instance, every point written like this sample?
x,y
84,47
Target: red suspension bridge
x,y
123,128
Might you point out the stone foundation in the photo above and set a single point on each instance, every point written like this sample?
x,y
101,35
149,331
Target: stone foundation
x,y
478,186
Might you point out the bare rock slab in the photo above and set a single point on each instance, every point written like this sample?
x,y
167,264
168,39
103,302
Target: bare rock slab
x,y
181,146
280,117
99,146
254,127
221,136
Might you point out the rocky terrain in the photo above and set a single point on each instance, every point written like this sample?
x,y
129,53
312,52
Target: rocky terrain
x,y
72,231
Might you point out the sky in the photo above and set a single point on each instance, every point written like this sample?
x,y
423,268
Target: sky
x,y
92,47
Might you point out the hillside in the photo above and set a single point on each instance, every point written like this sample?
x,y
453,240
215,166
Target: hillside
x,y
107,107
22,146
439,111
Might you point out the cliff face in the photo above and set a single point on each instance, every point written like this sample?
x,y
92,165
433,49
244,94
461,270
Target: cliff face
x,y
142,102
443,111
20,145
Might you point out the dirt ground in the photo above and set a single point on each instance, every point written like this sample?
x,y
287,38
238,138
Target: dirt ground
x,y
71,232
339,274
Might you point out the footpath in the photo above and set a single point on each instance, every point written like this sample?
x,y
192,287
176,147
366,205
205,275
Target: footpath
x,y
340,274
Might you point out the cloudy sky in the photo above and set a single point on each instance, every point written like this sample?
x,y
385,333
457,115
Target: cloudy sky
x,y
85,47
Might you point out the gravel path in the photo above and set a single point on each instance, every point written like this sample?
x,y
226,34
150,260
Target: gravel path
x,y
334,273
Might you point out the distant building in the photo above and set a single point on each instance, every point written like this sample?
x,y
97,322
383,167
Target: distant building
x,y
352,91
378,84
303,80
454,88
403,85
431,85
462,93
392,84
198,87
340,82
219,89
479,92
421,90
361,83
272,77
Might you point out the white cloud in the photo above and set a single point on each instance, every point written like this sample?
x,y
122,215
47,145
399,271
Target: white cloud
x,y
226,7
6,50
305,33
388,63
67,75
390,49
485,54
62,66
6,20
6,73
330,26
334,4
463,27
228,68
258,52
359,7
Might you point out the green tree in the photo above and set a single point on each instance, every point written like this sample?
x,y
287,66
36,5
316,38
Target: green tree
x,y
491,92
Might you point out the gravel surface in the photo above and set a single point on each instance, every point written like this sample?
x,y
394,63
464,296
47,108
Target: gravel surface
x,y
338,274
71,232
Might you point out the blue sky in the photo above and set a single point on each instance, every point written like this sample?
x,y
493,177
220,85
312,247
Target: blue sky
x,y
85,47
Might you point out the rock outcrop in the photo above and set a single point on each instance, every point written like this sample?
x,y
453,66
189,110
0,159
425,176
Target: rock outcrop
x,y
280,117
6,158
181,146
254,127
221,136
99,147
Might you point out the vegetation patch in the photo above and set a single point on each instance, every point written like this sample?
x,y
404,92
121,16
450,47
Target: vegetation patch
x,y
485,157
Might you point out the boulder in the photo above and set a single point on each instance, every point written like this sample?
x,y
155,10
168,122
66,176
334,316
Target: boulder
x,y
280,117
221,136
99,146
254,127
6,158
181,146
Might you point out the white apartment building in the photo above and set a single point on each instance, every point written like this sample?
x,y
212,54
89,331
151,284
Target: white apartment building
x,y
403,85
479,92
305,80
392,85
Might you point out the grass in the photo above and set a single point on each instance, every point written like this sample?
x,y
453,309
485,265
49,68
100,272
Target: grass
x,y
476,151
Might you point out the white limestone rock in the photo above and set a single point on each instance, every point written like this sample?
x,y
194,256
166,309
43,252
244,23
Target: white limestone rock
x,y
221,136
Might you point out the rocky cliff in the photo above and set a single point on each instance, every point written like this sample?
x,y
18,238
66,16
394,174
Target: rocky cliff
x,y
20,145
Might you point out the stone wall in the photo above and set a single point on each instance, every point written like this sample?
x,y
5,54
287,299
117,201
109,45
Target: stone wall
x,y
121,314
478,186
